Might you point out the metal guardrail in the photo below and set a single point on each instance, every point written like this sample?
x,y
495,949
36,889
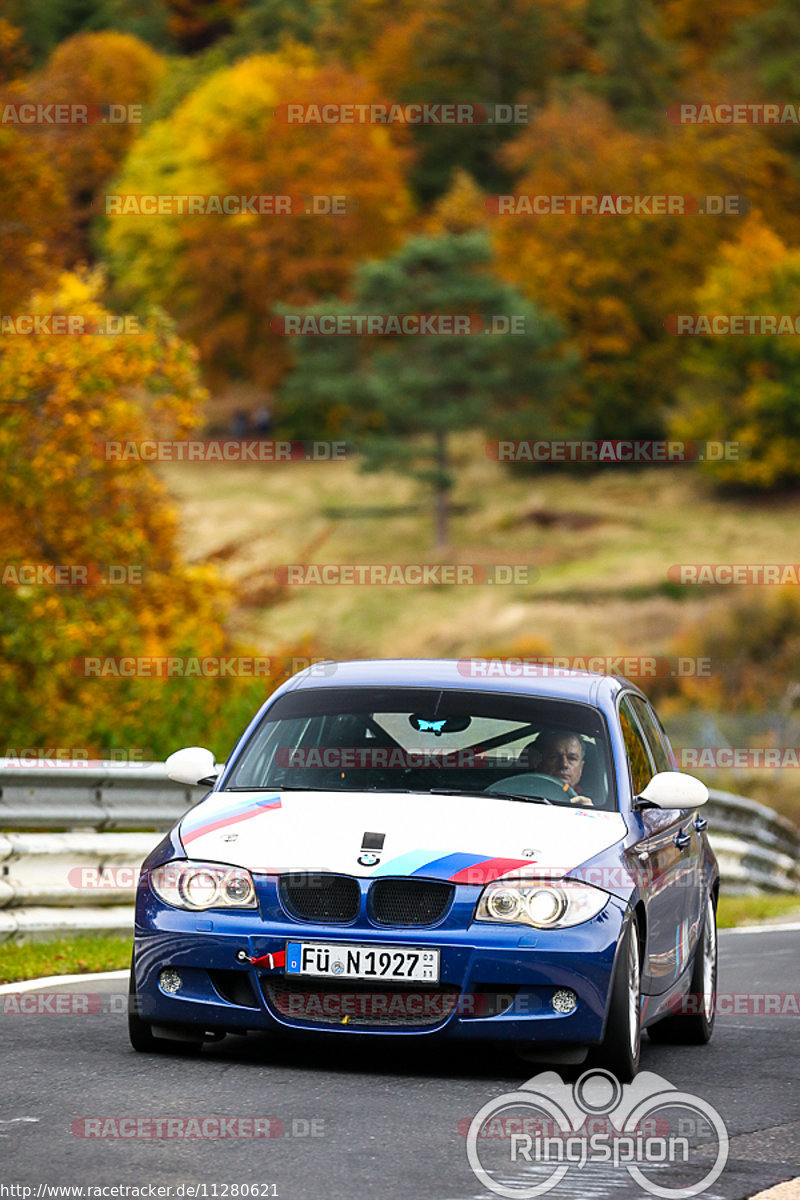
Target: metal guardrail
x,y
80,874
91,795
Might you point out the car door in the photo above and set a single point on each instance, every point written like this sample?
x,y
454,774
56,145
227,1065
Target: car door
x,y
660,860
690,833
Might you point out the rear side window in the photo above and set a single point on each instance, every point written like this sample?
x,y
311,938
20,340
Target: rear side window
x,y
653,733
636,748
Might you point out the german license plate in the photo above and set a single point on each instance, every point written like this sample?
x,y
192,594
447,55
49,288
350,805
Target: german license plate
x,y
361,962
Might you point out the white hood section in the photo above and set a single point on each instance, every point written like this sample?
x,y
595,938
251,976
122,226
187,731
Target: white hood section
x,y
470,839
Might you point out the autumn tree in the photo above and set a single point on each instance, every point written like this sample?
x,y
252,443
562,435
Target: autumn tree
x,y
702,31
197,24
499,53
267,25
34,217
744,389
67,499
761,64
221,275
96,70
634,61
44,23
14,54
402,397
614,278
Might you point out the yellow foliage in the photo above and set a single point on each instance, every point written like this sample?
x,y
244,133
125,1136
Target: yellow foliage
x,y
222,276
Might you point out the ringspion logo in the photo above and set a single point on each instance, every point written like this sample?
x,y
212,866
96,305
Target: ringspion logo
x,y
524,1143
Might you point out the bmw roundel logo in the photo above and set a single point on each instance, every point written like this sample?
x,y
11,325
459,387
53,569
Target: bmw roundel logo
x,y
369,860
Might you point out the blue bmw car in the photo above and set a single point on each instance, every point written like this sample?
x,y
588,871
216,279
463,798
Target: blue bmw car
x,y
435,849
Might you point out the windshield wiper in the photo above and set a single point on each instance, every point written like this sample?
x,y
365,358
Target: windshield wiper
x,y
312,787
280,787
502,795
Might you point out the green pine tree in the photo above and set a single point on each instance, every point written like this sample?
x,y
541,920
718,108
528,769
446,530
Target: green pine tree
x,y
401,397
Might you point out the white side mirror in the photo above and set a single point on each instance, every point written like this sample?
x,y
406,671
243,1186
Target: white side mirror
x,y
673,789
193,765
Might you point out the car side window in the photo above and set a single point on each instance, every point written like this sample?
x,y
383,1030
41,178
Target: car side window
x,y
653,734
636,748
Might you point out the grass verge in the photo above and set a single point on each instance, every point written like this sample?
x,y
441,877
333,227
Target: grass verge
x,y
747,910
67,956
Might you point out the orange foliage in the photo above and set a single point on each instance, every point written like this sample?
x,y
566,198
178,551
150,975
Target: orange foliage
x,y
95,69
223,275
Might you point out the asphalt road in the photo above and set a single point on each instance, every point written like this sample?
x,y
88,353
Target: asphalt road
x,y
363,1118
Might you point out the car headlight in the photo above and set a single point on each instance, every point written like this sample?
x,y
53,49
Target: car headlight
x,y
196,886
542,905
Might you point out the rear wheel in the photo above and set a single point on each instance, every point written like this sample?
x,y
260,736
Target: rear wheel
x,y
695,1027
145,1041
620,1049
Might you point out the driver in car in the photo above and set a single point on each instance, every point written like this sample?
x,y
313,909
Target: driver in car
x,y
562,756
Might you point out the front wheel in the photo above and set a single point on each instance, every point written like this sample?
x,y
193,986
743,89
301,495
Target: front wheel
x,y
695,1025
621,1047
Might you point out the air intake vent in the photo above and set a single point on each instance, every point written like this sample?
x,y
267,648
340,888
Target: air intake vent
x,y
409,901
333,899
351,1005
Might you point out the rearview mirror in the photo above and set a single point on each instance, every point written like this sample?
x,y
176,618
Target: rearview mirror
x,y
193,765
673,789
440,726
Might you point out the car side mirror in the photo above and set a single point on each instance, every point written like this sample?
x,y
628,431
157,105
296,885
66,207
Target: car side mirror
x,y
673,789
193,765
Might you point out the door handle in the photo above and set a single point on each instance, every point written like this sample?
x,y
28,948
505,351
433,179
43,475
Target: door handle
x,y
682,839
700,823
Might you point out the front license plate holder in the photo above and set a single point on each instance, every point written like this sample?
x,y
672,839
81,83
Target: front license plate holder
x,y
367,963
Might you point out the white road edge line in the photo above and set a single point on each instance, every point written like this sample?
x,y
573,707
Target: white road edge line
x,y
30,985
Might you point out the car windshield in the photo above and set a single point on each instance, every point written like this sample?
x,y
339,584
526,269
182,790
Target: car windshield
x,y
429,740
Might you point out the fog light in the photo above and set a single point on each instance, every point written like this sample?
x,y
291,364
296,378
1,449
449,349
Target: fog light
x,y
564,1000
170,981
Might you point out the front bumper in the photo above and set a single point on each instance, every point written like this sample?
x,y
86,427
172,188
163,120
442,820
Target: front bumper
x,y
496,982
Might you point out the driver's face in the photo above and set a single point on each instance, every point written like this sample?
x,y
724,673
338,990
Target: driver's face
x,y
563,759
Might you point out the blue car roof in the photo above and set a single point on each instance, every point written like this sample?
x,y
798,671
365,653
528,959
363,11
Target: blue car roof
x,y
471,674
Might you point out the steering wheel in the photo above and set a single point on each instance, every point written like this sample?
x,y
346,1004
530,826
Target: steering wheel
x,y
535,785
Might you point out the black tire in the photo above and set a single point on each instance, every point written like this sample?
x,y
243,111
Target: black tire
x,y
695,1027
621,1047
140,1032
